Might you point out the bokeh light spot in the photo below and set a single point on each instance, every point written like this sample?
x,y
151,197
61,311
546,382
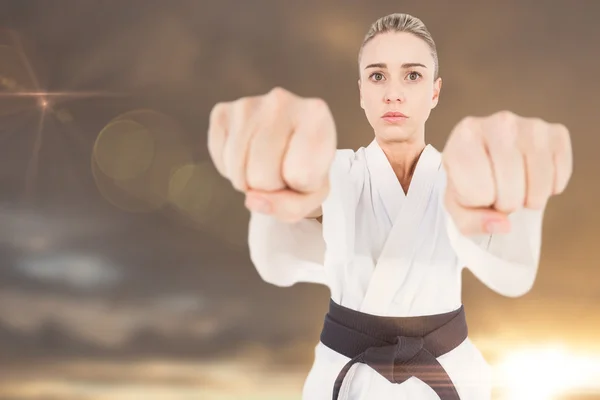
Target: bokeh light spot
x,y
191,190
135,156
124,150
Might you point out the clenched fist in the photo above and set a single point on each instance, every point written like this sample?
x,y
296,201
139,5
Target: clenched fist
x,y
276,148
498,164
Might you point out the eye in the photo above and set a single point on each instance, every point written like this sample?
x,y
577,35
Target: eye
x,y
413,76
376,76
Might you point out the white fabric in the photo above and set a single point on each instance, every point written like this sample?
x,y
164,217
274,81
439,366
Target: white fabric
x,y
386,253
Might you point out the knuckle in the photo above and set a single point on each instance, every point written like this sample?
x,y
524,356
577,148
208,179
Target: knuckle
x,y
279,94
317,115
274,101
538,122
561,129
216,127
217,111
316,104
505,116
467,122
464,131
562,135
243,105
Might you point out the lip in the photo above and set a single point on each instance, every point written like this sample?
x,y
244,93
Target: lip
x,y
394,117
393,114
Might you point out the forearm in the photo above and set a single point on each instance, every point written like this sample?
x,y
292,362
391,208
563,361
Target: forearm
x,y
284,253
506,263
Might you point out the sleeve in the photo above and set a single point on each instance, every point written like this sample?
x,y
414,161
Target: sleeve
x,y
285,254
506,263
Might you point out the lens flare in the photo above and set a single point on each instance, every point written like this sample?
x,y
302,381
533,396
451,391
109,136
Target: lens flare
x,y
547,373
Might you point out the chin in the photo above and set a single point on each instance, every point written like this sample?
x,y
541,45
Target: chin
x,y
395,133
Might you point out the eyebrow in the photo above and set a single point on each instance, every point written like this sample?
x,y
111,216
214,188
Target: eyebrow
x,y
404,66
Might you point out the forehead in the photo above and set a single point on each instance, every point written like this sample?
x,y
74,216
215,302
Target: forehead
x,y
396,48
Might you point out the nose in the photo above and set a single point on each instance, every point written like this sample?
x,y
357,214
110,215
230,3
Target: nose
x,y
394,94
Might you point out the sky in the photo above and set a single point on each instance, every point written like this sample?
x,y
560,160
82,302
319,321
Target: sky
x,y
117,280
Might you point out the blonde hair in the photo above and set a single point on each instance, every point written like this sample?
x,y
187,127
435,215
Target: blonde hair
x,y
399,22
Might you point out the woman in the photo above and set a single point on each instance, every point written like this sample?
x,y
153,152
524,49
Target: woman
x,y
399,220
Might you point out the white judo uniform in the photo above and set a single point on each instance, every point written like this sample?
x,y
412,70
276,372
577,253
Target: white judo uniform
x,y
383,252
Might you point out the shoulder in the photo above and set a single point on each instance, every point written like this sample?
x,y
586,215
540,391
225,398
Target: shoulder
x,y
343,159
346,160
347,174
349,170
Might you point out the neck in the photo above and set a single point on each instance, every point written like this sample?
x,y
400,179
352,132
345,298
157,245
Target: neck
x,y
403,157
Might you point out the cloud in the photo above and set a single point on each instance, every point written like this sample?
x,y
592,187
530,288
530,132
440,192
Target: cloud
x,y
104,324
32,231
79,271
151,379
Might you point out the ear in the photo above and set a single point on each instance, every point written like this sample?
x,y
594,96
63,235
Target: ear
x,y
362,104
437,88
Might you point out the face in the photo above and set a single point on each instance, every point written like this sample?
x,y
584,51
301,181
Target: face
x,y
397,87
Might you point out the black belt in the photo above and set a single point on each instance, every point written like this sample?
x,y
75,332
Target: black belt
x,y
398,348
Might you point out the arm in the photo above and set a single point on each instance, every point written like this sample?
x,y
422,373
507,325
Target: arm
x,y
502,170
287,253
284,253
276,148
506,263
